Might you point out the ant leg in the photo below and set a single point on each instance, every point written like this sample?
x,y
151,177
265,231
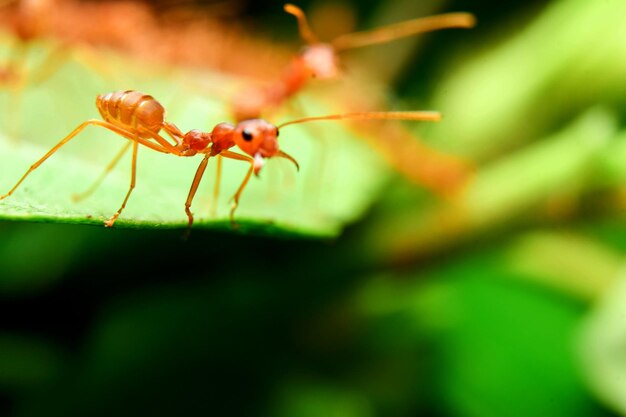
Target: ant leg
x,y
194,187
109,168
233,155
75,132
46,156
14,111
13,76
174,132
90,59
216,187
163,142
133,176
132,136
50,64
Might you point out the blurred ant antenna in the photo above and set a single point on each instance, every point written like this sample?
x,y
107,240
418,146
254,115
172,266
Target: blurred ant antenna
x,y
306,33
384,34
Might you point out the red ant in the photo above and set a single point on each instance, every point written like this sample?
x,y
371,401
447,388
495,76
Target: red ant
x,y
139,118
320,60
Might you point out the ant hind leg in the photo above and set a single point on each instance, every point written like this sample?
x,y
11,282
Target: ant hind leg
x,y
111,221
109,168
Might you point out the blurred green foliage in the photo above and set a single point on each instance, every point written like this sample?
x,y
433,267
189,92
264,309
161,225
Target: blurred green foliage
x,y
506,300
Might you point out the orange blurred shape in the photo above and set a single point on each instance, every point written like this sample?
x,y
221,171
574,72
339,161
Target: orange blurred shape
x,y
132,27
442,173
331,19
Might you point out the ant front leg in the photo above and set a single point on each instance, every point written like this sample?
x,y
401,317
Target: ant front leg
x,y
235,199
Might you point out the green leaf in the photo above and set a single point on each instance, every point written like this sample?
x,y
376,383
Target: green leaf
x,y
602,348
340,174
570,57
502,346
27,362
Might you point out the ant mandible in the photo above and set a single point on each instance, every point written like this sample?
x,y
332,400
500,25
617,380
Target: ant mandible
x,y
139,118
321,60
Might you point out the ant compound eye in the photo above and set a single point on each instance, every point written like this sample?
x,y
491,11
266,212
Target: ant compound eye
x,y
247,135
277,133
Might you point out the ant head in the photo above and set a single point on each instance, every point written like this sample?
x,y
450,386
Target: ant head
x,y
257,138
321,60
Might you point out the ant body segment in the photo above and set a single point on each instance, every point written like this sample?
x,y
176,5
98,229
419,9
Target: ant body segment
x,y
140,118
321,60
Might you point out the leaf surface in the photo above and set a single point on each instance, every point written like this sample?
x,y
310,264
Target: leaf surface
x,y
339,177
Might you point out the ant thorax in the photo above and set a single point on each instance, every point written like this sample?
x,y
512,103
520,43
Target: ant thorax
x,y
222,138
321,59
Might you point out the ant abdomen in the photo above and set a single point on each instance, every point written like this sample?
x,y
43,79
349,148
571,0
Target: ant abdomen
x,y
132,110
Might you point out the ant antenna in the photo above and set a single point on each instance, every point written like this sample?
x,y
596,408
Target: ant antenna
x,y
303,24
425,116
404,29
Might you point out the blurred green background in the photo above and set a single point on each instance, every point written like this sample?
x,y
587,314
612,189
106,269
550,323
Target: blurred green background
x,y
506,301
